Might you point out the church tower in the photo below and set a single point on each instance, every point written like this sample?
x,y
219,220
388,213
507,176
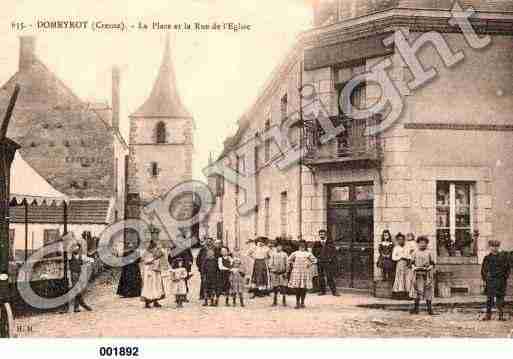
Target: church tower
x,y
161,142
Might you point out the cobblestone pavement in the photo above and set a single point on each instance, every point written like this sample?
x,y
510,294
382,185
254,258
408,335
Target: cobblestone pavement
x,y
324,316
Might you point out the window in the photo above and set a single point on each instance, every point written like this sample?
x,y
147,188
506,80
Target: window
x,y
219,186
12,250
116,164
283,213
283,107
267,216
50,236
454,219
267,143
358,96
154,170
255,221
160,132
220,230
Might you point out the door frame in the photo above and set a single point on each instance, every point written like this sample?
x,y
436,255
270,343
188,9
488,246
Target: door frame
x,y
352,204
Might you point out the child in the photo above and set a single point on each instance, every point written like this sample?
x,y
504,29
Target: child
x,y
301,262
278,268
210,274
401,259
179,277
225,265
237,282
385,261
422,265
495,272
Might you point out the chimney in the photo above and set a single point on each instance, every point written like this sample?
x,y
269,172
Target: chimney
x,y
27,52
115,97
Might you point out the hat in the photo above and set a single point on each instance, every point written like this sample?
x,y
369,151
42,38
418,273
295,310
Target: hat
x,y
494,243
261,239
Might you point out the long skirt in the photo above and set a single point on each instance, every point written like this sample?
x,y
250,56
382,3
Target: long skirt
x,y
401,277
224,282
422,286
167,282
130,281
153,286
260,277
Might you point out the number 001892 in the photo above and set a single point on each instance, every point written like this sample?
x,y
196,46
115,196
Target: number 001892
x,y
119,352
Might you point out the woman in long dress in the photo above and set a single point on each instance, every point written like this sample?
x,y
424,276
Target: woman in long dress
x,y
153,287
130,281
260,280
301,262
401,257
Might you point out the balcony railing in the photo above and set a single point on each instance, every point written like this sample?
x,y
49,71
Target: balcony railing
x,y
354,143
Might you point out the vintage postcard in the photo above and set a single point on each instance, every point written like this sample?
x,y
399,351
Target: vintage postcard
x,y
261,169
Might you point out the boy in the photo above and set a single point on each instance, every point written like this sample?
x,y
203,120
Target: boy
x,y
422,265
278,266
495,272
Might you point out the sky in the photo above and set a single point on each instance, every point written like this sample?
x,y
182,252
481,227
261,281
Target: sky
x,y
219,74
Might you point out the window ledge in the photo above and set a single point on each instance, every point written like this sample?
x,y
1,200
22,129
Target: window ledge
x,y
457,260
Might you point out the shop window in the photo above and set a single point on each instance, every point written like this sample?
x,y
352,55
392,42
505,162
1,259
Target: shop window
x,y
454,219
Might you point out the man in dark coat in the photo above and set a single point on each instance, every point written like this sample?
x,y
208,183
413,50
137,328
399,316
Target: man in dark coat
x,y
495,272
200,258
77,264
326,255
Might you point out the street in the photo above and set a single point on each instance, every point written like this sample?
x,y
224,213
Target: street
x,y
325,316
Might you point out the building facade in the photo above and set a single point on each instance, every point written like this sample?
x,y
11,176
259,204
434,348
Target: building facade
x,y
441,168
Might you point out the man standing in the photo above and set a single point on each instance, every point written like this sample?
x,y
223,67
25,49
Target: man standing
x,y
326,254
77,264
202,254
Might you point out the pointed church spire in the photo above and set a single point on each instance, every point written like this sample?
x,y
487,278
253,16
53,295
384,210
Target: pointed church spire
x,y
164,100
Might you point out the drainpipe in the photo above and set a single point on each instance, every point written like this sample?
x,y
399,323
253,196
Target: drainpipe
x,y
301,134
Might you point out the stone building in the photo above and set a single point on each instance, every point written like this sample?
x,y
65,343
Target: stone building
x,y
74,145
441,169
161,142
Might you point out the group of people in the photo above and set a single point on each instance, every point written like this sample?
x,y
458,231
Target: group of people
x,y
277,268
274,271
156,274
409,264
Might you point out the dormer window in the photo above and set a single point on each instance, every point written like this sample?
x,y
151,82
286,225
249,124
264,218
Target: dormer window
x,y
160,132
154,169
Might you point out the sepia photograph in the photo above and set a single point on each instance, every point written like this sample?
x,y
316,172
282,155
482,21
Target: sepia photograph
x,y
252,169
